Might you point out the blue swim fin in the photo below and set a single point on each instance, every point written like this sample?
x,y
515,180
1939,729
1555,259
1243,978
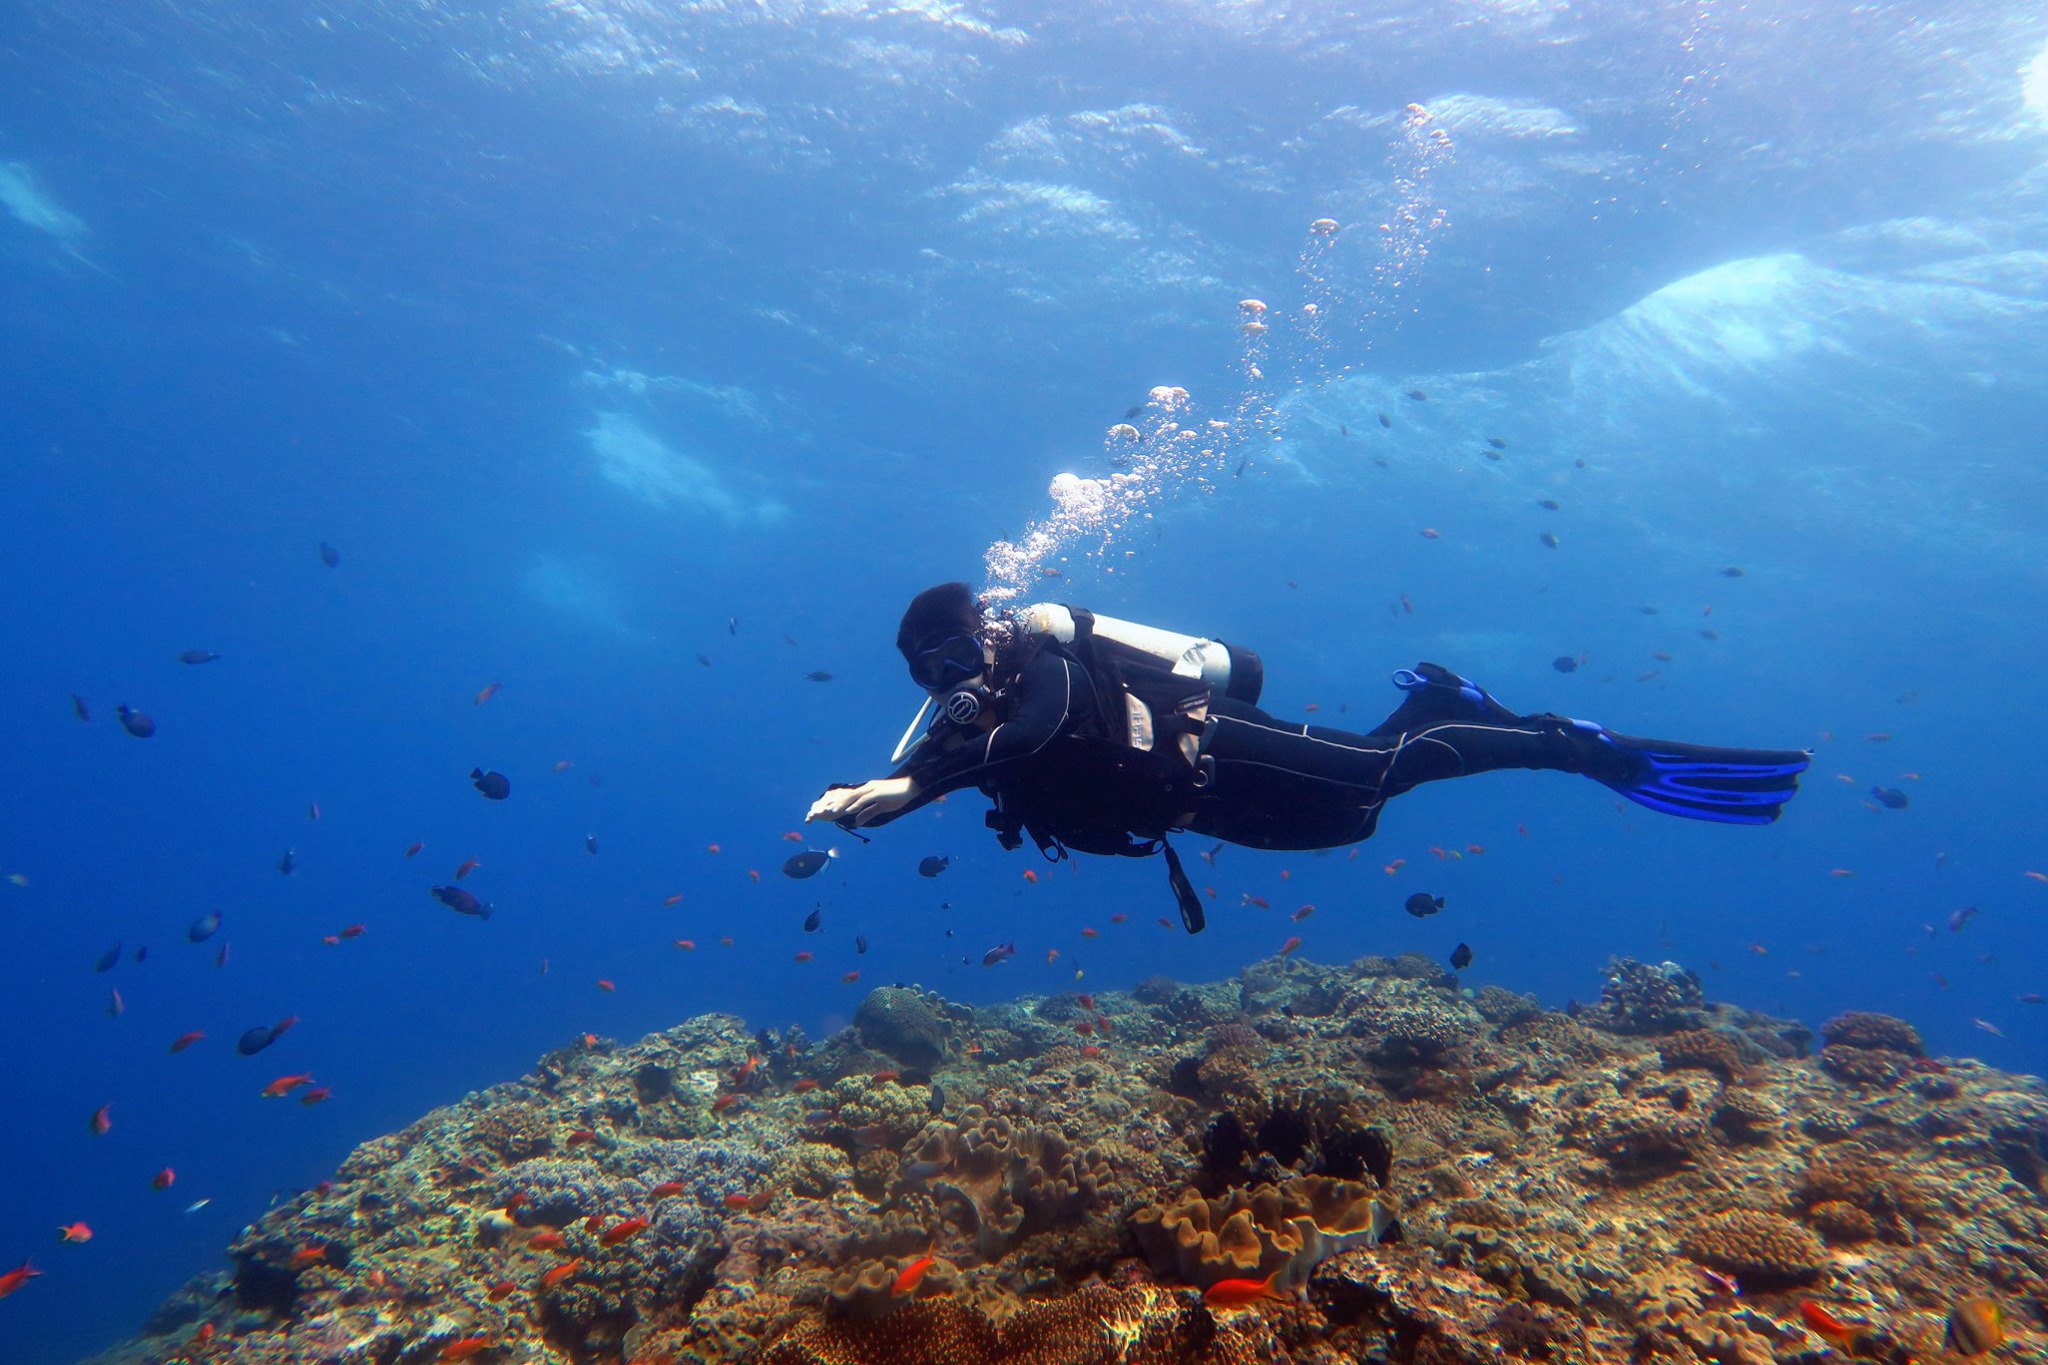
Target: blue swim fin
x,y
1700,782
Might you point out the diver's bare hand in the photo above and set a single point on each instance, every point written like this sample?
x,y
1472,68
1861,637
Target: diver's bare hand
x,y
862,803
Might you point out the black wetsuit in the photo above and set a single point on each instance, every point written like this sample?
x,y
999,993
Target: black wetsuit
x,y
1259,781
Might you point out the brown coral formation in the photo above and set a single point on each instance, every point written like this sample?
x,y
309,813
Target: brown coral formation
x,y
1658,1179
1763,1248
1092,1326
1284,1231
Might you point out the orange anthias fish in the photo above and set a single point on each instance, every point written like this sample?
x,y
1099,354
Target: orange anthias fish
x,y
751,1203
464,1349
16,1278
667,1189
911,1276
313,1253
622,1232
469,865
560,1273
1228,1294
1289,946
488,693
101,1124
163,1179
74,1232
284,1085
414,850
1825,1324
319,1094
185,1040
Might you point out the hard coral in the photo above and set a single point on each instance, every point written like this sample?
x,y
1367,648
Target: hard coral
x,y
902,1023
1702,1049
1637,998
1882,1068
1286,1229
1860,1029
1098,1325
1842,1223
1861,1179
1765,1249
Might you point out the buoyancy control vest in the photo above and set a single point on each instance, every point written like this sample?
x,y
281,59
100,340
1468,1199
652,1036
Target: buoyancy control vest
x,y
1120,792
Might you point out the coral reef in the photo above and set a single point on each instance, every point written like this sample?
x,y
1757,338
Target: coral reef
x,y
1655,1178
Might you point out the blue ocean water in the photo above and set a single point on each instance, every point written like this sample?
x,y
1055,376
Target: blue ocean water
x,y
645,359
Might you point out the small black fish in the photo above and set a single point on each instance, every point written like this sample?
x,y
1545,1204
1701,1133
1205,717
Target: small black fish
x,y
1134,412
1647,611
1416,396
732,625
461,902
1461,957
142,954
1549,540
1497,443
134,722
590,843
704,659
818,675
79,708
329,555
1385,420
1565,663
938,1098
1549,504
860,943
255,1040
809,863
203,928
1422,905
109,959
220,959
1891,797
1208,855
813,920
932,867
289,861
1731,572
1493,455
1343,430
494,785
197,656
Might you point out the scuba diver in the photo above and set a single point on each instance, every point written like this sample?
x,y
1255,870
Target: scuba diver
x,y
1102,736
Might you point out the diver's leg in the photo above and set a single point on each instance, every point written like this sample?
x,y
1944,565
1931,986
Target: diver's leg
x,y
1449,727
